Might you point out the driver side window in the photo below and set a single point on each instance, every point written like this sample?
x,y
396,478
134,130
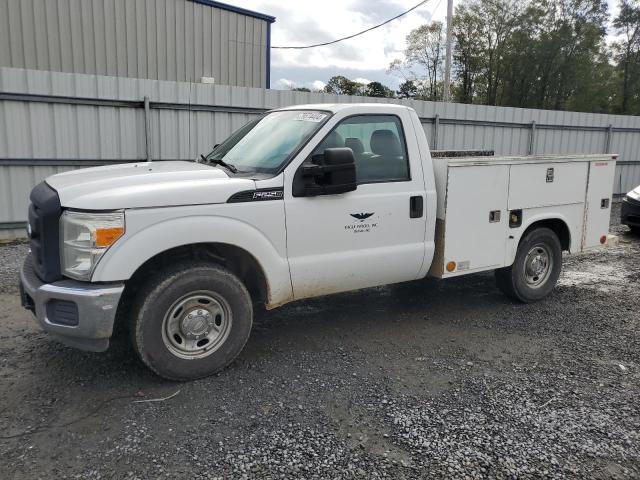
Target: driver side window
x,y
378,146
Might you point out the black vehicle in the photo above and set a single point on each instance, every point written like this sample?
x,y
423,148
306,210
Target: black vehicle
x,y
630,210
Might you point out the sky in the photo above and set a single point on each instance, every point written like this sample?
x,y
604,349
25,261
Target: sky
x,y
365,58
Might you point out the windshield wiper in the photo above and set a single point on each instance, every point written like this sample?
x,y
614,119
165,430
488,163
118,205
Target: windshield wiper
x,y
222,163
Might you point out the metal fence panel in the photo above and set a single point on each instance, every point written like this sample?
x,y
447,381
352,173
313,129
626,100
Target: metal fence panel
x,y
51,121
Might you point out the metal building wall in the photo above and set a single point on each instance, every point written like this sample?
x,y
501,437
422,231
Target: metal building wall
x,y
179,40
51,122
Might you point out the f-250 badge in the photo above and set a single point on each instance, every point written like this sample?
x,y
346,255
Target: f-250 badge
x,y
360,226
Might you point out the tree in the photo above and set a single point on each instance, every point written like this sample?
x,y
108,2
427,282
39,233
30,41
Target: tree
x,y
300,89
341,85
532,53
407,89
483,30
423,58
571,38
627,51
523,53
377,89
467,55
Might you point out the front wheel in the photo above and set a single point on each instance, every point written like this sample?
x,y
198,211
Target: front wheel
x,y
536,268
191,321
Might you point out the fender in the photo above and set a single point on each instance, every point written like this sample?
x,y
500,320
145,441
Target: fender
x,y
135,248
544,214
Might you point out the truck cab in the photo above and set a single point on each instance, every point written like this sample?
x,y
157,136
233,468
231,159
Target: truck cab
x,y
301,202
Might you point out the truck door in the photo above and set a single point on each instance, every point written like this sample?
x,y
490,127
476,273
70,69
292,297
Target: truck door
x,y
372,236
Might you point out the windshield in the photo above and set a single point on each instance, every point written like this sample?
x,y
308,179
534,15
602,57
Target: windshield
x,y
265,144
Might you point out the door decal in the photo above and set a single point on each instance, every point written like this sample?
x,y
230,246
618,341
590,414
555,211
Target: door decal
x,y
361,216
359,225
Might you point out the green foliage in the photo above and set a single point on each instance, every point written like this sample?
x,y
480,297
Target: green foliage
x,y
424,60
407,89
627,54
549,54
377,89
530,53
341,85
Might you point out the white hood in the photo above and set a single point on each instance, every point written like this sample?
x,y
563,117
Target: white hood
x,y
138,185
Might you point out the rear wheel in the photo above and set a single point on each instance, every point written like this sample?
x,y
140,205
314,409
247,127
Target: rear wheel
x,y
536,268
191,321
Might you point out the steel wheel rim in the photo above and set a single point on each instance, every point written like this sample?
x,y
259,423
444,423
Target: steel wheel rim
x,y
196,325
538,265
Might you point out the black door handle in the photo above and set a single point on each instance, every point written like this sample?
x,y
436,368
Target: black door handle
x,y
416,207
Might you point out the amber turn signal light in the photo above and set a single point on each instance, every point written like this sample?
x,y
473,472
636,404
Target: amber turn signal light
x,y
451,266
106,236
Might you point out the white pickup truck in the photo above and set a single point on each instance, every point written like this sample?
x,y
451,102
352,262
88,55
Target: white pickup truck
x,y
303,201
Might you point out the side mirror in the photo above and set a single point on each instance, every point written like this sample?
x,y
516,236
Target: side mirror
x,y
329,173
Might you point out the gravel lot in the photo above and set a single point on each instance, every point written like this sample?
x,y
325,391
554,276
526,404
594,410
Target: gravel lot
x,y
421,380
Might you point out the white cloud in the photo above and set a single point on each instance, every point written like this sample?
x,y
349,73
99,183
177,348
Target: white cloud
x,y
305,22
318,85
364,81
284,84
287,84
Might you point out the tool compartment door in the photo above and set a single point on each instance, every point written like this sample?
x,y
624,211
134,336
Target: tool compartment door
x,y
535,185
598,209
476,217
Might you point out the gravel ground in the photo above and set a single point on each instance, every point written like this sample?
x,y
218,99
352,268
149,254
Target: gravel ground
x,y
421,380
11,257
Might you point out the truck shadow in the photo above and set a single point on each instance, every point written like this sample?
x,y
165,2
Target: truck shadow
x,y
301,325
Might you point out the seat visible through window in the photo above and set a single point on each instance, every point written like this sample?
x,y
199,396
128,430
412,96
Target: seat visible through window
x,y
354,144
378,146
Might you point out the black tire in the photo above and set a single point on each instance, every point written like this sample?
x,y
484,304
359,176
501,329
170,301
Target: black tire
x,y
160,295
635,230
512,281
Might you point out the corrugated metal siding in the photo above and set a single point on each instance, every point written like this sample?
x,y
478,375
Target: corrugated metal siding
x,y
157,39
58,132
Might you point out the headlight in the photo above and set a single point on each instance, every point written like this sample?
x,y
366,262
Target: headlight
x,y
85,238
635,194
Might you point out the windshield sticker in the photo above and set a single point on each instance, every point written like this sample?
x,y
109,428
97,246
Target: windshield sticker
x,y
310,117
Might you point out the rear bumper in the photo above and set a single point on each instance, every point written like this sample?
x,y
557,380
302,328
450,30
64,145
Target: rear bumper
x,y
630,212
88,325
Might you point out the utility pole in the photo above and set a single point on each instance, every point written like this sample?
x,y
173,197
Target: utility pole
x,y
447,61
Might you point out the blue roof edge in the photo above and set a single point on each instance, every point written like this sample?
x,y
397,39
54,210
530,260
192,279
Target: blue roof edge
x,y
232,8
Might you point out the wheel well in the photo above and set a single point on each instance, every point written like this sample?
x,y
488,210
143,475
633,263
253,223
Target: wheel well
x,y
558,226
237,260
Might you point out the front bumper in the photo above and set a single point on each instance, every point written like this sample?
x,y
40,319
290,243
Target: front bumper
x,y
87,325
630,212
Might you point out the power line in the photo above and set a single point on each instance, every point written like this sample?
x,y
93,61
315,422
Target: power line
x,y
355,34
